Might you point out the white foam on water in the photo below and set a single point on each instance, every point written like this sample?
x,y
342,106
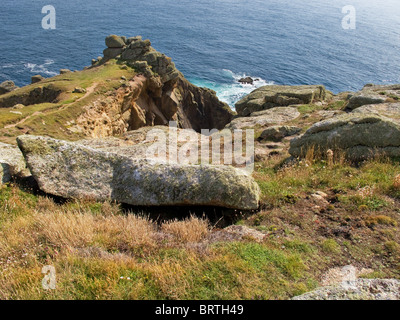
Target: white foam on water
x,y
232,91
41,68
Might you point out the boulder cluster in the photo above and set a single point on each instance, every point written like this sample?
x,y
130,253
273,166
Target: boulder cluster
x,y
368,125
119,169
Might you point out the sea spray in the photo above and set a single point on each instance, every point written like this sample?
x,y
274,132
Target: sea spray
x,y
230,90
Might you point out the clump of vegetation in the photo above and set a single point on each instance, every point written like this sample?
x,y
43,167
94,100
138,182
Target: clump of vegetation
x,y
373,221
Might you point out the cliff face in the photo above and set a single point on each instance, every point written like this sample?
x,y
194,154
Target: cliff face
x,y
132,86
160,93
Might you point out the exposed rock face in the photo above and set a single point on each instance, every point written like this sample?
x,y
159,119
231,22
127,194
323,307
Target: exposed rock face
x,y
270,117
38,94
273,96
7,86
277,133
361,289
160,93
154,94
12,163
390,110
360,136
374,94
37,78
71,170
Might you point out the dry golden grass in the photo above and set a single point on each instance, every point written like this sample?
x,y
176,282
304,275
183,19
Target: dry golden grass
x,y
188,230
396,182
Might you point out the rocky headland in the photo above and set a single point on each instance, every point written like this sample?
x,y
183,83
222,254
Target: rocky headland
x,y
84,135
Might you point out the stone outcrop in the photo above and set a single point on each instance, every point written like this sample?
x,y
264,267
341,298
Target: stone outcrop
x,y
12,163
267,118
374,94
159,93
271,96
37,78
360,136
155,94
361,289
389,110
7,86
34,95
71,170
277,133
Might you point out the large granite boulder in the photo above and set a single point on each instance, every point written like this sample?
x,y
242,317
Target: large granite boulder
x,y
271,96
360,136
111,53
114,41
360,289
12,163
374,94
71,170
267,118
7,86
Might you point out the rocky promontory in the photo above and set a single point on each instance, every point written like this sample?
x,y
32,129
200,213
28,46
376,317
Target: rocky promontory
x,y
132,86
106,174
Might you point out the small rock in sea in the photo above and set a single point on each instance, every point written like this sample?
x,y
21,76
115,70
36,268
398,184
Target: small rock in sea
x,y
247,80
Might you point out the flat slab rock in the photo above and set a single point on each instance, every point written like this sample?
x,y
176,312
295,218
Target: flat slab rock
x,y
361,136
361,289
271,96
71,170
266,118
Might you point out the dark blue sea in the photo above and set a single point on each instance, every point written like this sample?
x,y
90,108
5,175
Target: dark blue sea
x,y
213,42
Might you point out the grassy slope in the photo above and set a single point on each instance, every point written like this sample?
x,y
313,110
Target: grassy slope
x,y
95,247
51,118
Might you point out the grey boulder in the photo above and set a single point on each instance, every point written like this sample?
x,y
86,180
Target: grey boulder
x,y
389,110
7,86
114,41
71,170
271,96
374,94
360,136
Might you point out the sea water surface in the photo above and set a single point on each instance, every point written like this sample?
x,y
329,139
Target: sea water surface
x,y
213,42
